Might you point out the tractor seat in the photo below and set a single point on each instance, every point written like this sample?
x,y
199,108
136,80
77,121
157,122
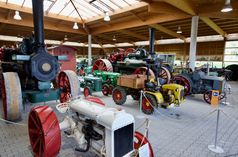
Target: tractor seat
x,y
151,87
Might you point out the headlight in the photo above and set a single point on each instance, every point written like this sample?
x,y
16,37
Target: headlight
x,y
176,89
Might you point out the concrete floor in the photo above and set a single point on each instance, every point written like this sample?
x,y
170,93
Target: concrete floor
x,y
184,131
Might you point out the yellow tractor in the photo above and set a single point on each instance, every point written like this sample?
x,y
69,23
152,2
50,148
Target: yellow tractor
x,y
160,96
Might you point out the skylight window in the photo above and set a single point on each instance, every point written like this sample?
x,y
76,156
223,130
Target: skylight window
x,y
88,9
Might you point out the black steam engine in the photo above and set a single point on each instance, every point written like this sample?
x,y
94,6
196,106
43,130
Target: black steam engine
x,y
28,72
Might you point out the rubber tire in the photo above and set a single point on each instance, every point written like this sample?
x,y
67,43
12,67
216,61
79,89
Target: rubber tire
x,y
152,100
209,94
105,89
121,91
89,91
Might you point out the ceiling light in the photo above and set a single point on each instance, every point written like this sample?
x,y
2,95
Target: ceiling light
x,y
227,7
179,30
106,17
114,38
17,15
65,38
75,26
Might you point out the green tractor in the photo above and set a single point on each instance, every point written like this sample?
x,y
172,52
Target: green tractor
x,y
101,81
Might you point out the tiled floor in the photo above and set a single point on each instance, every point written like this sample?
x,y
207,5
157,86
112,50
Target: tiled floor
x,y
185,131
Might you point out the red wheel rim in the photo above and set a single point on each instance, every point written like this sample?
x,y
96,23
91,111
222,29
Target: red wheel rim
x,y
184,82
117,95
146,104
86,92
207,96
110,89
140,140
165,74
102,65
105,90
4,99
64,85
44,132
142,71
129,50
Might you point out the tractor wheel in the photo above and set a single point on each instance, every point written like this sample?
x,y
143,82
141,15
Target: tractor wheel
x,y
140,140
11,96
142,71
119,95
87,91
110,89
184,81
102,65
165,74
69,84
147,102
44,132
207,96
129,50
105,89
222,95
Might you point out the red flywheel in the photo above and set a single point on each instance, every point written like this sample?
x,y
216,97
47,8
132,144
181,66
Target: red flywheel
x,y
140,140
44,132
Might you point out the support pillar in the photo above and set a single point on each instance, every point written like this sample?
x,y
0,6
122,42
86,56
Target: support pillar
x,y
193,42
89,50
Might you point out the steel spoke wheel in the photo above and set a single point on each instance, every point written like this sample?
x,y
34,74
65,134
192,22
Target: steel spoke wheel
x,y
143,70
207,96
44,132
69,84
148,103
105,89
102,65
11,96
87,91
140,140
119,95
165,74
184,81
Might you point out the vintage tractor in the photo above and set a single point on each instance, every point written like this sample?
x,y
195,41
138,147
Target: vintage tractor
x,y
101,81
29,71
198,83
155,96
135,62
109,80
158,93
102,130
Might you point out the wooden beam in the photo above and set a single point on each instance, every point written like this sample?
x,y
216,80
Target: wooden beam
x,y
136,22
214,11
29,11
27,22
214,26
185,5
133,34
167,31
162,7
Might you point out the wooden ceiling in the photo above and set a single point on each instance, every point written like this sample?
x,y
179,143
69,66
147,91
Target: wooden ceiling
x,y
132,25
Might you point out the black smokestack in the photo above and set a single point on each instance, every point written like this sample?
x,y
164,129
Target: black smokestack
x,y
37,8
152,40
